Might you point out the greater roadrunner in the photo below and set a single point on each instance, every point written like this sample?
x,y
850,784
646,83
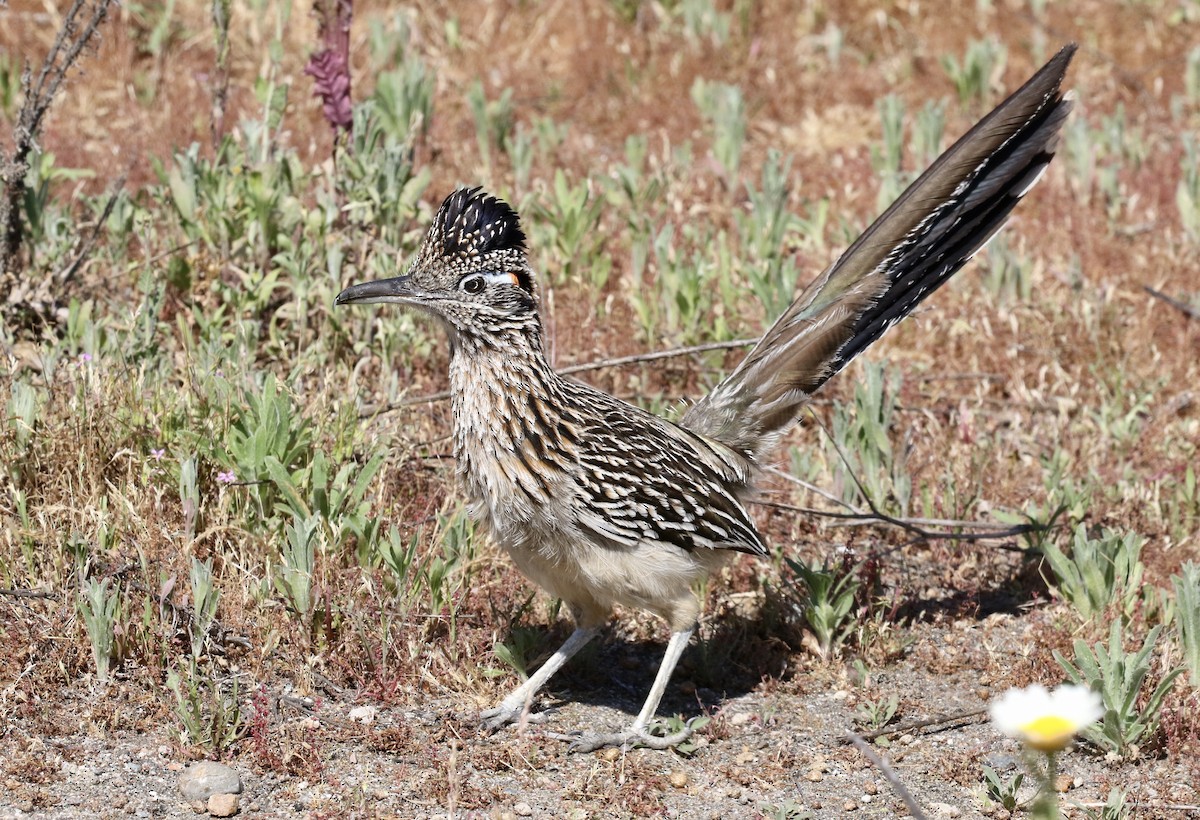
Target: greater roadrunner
x,y
602,503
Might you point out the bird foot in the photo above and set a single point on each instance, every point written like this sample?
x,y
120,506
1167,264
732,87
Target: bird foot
x,y
629,739
493,720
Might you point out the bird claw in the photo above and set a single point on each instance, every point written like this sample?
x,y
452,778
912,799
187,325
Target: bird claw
x,y
631,738
495,719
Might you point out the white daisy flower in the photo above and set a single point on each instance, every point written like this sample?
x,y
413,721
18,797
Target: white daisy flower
x,y
1044,720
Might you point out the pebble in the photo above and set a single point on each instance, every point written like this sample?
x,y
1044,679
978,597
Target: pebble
x,y
523,810
223,805
871,788
814,775
946,810
1063,783
849,805
740,719
679,779
203,779
363,714
611,754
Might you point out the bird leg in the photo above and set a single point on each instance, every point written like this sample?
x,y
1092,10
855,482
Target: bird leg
x,y
513,707
636,735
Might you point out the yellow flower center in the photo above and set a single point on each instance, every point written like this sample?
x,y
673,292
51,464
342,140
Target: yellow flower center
x,y
1049,733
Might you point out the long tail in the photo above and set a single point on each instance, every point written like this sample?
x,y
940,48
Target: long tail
x,y
930,232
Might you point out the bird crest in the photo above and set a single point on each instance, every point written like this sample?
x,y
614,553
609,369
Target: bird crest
x,y
471,223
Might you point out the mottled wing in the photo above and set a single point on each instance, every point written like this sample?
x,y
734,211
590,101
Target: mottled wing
x,y
649,480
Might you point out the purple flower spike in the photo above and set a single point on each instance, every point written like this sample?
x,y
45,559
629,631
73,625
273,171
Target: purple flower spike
x,y
330,67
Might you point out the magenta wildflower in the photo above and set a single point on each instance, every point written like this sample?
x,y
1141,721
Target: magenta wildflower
x,y
226,477
330,67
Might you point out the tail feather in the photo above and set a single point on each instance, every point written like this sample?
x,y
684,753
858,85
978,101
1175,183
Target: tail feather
x,y
927,234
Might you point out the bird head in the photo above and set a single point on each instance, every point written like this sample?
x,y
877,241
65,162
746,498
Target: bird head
x,y
471,271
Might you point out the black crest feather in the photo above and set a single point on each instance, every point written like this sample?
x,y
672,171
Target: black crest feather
x,y
471,222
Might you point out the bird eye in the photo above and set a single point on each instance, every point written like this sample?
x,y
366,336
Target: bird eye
x,y
473,283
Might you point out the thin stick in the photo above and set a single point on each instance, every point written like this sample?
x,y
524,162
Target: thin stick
x,y
889,773
916,525
85,249
1183,307
921,724
599,364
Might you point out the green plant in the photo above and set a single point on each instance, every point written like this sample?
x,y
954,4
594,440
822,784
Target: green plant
x,y
1009,273
928,132
690,277
189,495
294,576
99,604
725,109
571,222
494,121
762,227
869,467
1187,190
888,160
519,648
337,500
674,725
1118,677
787,810
983,62
1000,790
703,21
875,714
827,604
205,597
210,717
1114,807
1099,572
267,429
1187,619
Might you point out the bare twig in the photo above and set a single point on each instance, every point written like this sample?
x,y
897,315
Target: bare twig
x,y
85,249
921,724
887,771
38,94
27,593
993,531
1181,306
599,364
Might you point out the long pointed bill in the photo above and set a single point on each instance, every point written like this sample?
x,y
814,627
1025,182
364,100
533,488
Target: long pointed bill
x,y
398,290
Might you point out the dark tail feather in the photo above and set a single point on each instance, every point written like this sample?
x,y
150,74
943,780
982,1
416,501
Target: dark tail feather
x,y
930,232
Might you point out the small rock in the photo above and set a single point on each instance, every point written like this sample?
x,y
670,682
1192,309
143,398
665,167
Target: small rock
x,y
814,775
946,810
866,798
1063,783
611,754
223,805
740,719
870,788
206,778
523,810
849,805
363,714
679,779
